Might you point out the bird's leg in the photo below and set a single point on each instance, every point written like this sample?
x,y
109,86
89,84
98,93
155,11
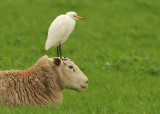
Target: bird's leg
x,y
60,51
57,51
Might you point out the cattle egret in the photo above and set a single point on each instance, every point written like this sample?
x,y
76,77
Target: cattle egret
x,y
60,29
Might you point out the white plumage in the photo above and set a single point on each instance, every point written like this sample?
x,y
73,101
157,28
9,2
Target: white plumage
x,y
60,29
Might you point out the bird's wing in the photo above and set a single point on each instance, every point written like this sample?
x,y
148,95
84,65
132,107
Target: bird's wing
x,y
59,30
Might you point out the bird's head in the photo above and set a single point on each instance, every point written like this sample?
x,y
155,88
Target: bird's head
x,y
74,15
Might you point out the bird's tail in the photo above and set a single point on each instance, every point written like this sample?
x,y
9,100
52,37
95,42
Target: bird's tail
x,y
46,46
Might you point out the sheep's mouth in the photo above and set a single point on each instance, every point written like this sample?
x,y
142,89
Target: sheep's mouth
x,y
83,87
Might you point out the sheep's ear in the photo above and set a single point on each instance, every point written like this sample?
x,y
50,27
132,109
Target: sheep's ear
x,y
57,61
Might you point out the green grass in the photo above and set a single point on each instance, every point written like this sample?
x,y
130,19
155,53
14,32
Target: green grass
x,y
117,47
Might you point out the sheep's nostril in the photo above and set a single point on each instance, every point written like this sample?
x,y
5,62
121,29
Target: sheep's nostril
x,y
87,81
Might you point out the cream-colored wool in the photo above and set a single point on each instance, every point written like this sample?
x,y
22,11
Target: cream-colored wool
x,y
41,84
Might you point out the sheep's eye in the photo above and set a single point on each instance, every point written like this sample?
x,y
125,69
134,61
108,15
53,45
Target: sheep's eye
x,y
70,66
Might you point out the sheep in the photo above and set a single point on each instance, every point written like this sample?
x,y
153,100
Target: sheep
x,y
42,83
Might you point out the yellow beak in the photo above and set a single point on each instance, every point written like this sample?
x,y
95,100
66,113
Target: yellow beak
x,y
78,17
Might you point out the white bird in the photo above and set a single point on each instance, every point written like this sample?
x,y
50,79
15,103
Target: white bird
x,y
60,29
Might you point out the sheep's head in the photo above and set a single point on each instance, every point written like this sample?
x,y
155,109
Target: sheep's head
x,y
73,77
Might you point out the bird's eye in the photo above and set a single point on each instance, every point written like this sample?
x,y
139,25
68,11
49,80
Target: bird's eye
x,y
71,66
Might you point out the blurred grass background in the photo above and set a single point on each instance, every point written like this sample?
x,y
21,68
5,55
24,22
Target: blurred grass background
x,y
117,47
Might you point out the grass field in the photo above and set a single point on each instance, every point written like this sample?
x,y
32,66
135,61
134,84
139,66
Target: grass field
x,y
117,47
